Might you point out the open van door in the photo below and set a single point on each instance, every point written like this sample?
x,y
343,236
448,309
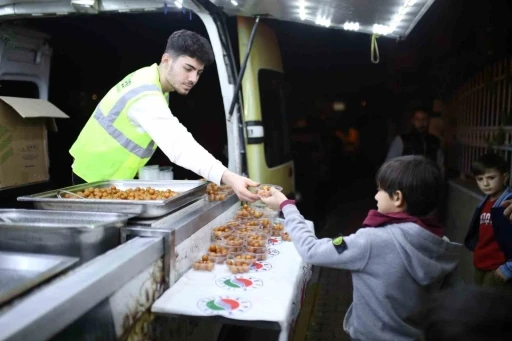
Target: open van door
x,y
269,157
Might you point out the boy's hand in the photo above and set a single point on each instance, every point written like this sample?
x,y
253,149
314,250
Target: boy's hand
x,y
499,275
508,209
275,200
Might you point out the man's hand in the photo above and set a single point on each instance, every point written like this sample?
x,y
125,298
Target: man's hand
x,y
275,200
239,185
508,209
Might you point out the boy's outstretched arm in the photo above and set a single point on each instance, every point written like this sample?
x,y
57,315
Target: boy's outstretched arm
x,y
351,252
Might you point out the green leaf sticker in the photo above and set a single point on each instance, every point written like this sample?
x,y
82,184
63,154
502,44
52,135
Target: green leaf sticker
x,y
337,241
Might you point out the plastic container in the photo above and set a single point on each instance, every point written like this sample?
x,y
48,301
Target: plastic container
x,y
256,243
285,236
203,264
277,228
263,190
233,242
149,173
166,173
217,250
240,262
220,231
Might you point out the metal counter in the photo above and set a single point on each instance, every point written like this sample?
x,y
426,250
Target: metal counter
x,y
51,308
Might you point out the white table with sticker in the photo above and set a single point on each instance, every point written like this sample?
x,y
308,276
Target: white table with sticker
x,y
272,291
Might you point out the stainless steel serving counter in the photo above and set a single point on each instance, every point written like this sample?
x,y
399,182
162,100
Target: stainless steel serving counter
x,y
44,313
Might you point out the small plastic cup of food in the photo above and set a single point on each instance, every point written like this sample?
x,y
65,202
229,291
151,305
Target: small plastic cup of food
x,y
266,230
240,262
219,196
243,214
263,191
261,255
219,231
203,264
253,222
247,212
277,228
285,236
233,242
256,243
217,253
245,230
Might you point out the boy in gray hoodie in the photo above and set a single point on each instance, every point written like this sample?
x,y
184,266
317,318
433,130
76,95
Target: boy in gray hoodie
x,y
397,261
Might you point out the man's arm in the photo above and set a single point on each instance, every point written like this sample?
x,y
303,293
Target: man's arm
x,y
153,115
395,149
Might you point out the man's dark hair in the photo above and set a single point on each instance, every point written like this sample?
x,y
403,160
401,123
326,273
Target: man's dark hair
x,y
467,313
190,44
487,162
419,180
420,109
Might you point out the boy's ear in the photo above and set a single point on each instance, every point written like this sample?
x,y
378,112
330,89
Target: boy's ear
x,y
398,199
506,176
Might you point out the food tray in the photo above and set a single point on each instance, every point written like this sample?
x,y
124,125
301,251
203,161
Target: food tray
x,y
189,192
38,219
20,272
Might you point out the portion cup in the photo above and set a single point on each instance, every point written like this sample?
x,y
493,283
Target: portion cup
x,y
240,262
203,264
219,231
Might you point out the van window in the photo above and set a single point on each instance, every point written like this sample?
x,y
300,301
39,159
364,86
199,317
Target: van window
x,y
273,114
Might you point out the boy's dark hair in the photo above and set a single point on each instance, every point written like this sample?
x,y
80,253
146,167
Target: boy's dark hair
x,y
190,44
467,313
487,162
419,180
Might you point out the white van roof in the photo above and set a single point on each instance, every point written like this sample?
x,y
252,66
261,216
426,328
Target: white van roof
x,y
392,18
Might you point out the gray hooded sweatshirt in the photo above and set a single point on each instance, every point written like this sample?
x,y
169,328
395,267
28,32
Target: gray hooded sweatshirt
x,y
394,270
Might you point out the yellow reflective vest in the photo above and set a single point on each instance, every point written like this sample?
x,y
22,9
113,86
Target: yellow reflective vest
x,y
110,147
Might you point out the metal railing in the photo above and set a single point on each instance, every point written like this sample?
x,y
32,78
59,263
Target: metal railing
x,y
483,108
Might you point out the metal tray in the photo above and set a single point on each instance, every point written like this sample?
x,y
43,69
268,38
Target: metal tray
x,y
189,192
50,220
20,272
74,234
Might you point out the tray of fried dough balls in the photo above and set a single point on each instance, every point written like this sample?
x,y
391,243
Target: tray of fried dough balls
x,y
145,198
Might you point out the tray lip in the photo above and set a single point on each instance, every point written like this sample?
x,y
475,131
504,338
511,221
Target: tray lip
x,y
64,263
38,196
121,218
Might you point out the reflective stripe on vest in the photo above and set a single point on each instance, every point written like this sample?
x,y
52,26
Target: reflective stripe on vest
x,y
107,122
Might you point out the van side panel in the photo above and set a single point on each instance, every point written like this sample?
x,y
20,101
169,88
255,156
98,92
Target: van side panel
x,y
264,55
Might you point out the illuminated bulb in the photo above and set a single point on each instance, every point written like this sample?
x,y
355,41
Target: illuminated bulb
x,y
178,4
351,26
302,12
234,3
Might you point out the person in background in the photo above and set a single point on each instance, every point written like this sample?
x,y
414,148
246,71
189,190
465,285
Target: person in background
x,y
396,261
134,118
490,234
418,141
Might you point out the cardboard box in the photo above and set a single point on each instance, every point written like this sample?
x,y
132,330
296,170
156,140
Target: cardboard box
x,y
23,140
